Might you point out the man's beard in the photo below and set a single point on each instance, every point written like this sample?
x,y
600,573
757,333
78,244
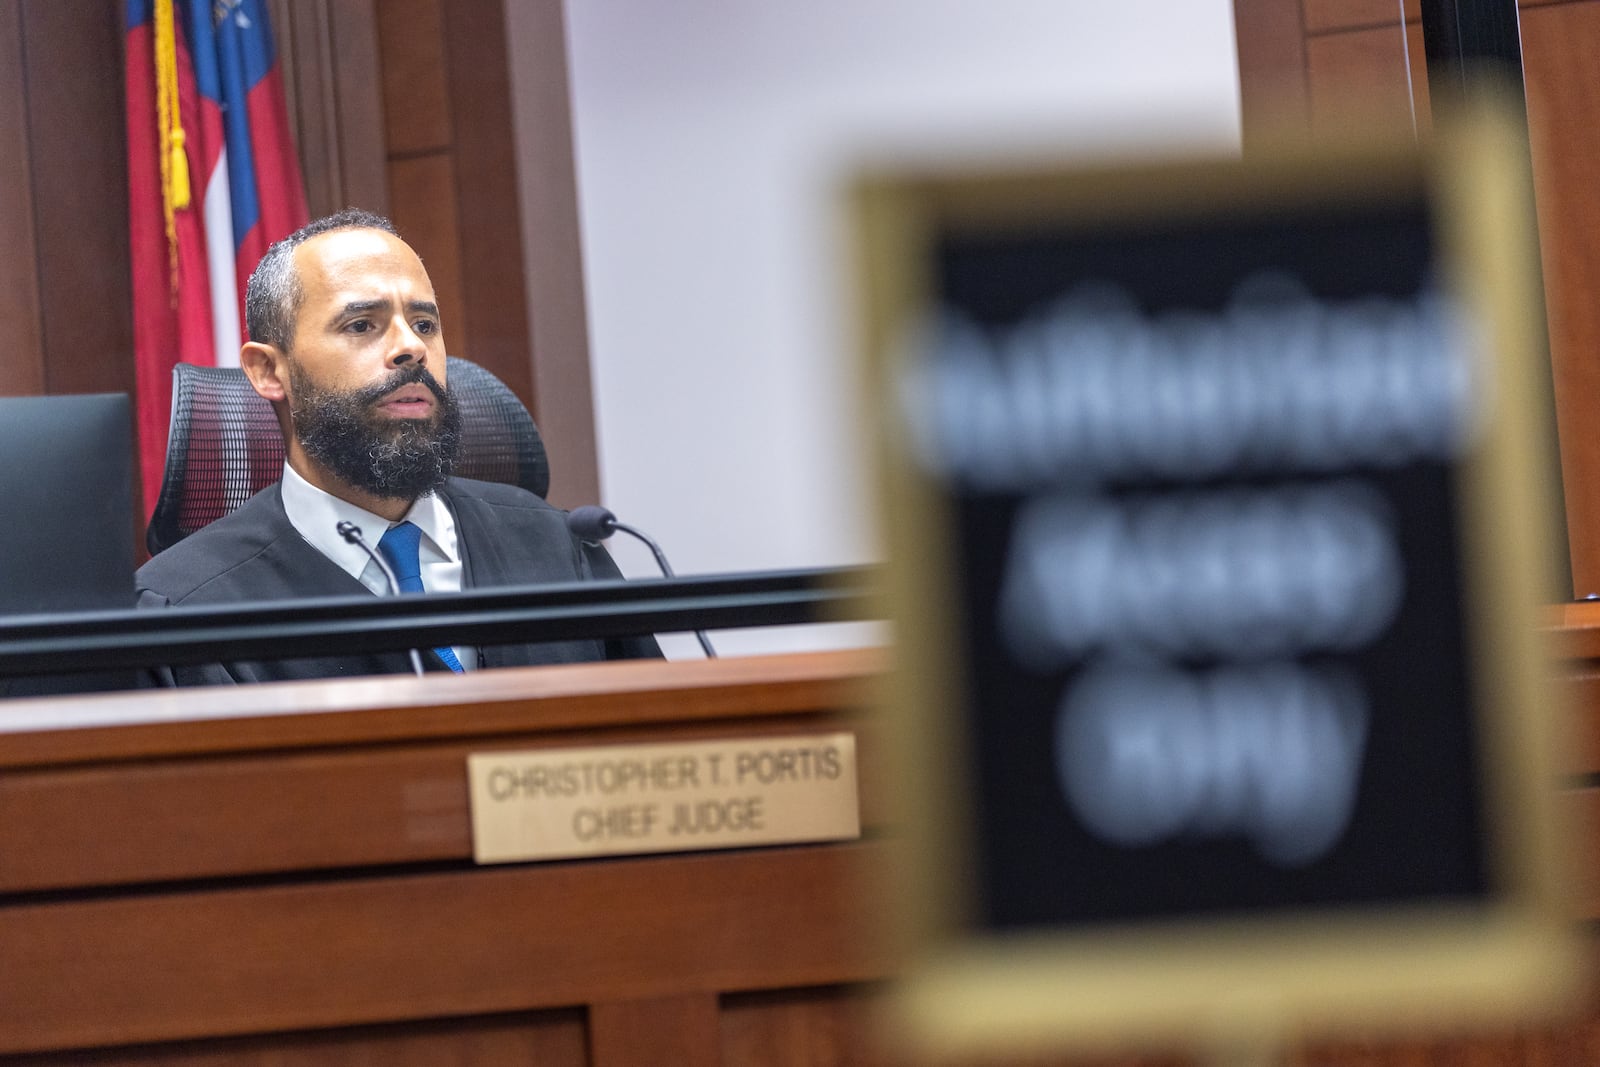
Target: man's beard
x,y
392,459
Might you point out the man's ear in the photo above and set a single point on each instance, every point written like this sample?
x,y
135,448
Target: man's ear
x,y
267,368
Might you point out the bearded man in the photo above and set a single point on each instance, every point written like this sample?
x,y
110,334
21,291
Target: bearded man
x,y
346,343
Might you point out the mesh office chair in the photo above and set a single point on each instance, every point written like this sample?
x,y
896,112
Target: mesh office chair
x,y
225,446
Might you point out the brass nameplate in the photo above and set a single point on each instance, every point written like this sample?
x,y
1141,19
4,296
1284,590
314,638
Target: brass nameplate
x,y
609,800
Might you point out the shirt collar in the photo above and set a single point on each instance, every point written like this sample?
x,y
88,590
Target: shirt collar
x,y
317,514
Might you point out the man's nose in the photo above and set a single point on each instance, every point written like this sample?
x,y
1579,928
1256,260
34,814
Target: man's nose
x,y
406,346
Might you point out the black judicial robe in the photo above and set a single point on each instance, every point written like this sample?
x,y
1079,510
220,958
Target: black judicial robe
x,y
509,537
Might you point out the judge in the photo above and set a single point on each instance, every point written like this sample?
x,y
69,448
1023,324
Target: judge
x,y
347,344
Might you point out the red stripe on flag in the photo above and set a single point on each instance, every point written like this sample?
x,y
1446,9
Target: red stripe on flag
x,y
171,322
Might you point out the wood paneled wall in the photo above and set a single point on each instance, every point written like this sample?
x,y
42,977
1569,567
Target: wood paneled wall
x,y
1367,70
553,289
1338,68
1559,44
22,359
400,106
65,302
1333,67
328,51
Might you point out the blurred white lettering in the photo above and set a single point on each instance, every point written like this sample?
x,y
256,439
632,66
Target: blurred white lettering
x,y
1094,390
1270,752
1218,573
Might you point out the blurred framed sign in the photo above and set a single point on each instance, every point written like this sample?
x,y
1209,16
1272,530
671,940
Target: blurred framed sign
x,y
1214,500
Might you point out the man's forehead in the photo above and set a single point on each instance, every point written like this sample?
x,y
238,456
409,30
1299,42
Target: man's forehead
x,y
348,256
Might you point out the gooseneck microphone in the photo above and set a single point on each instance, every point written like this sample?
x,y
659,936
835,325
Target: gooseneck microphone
x,y
352,534
593,523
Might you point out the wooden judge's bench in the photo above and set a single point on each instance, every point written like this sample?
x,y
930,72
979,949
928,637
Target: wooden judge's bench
x,y
283,875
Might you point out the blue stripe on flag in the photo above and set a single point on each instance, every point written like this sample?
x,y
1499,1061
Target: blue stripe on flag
x,y
255,40
196,18
243,39
138,12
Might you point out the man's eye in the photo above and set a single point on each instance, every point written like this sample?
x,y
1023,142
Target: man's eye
x,y
426,326
358,326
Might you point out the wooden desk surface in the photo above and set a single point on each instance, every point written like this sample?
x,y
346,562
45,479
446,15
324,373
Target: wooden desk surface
x,y
56,730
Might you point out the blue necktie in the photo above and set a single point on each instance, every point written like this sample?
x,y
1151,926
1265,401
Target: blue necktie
x,y
399,547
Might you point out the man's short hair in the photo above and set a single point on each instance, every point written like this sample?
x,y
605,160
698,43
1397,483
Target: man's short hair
x,y
273,296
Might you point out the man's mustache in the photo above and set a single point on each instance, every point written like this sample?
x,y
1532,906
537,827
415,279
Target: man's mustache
x,y
369,395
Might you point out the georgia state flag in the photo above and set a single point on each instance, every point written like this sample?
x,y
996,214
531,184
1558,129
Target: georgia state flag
x,y
212,181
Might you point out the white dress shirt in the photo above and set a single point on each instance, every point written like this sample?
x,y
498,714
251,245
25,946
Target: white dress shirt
x,y
317,515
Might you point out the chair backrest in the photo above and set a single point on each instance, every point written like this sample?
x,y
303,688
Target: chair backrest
x,y
225,446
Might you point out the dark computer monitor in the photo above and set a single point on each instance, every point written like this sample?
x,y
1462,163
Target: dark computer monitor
x,y
66,540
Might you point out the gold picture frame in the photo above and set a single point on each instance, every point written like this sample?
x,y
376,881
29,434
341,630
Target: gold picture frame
x,y
1245,981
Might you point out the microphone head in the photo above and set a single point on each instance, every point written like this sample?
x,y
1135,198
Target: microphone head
x,y
591,523
349,531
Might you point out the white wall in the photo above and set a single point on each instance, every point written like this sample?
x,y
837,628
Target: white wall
x,y
712,136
